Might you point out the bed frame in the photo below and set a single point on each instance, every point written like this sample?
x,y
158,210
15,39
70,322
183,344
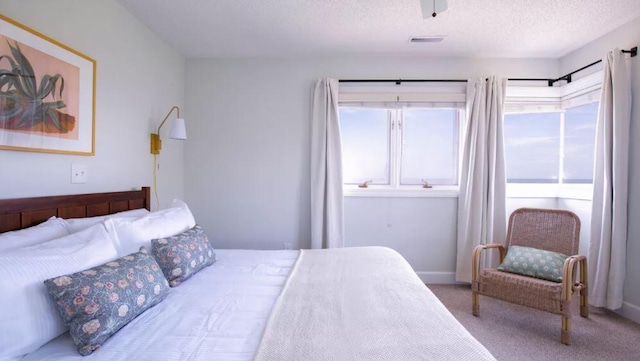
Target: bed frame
x,y
21,213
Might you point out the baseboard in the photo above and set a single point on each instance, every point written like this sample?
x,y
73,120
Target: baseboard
x,y
629,311
438,277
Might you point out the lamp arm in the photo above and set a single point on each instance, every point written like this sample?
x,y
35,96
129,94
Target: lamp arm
x,y
167,117
156,143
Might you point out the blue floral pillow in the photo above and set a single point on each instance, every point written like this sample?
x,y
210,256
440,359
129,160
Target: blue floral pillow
x,y
183,255
98,302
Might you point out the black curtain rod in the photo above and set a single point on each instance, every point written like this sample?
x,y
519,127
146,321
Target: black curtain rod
x,y
633,51
400,81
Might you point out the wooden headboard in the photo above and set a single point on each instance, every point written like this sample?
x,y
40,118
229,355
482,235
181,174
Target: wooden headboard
x,y
26,212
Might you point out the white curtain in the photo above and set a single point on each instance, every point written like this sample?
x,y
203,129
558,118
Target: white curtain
x,y
607,247
326,168
482,199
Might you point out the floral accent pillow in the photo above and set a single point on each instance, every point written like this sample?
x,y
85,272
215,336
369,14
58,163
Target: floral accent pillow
x,y
183,255
534,262
98,302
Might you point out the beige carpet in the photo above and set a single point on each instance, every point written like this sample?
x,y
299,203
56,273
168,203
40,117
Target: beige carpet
x,y
514,333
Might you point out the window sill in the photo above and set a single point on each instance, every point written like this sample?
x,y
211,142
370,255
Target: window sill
x,y
564,191
405,192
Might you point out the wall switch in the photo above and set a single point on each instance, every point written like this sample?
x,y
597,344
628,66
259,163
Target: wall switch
x,y
286,245
79,173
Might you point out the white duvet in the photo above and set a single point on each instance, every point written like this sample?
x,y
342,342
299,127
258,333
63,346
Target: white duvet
x,y
218,314
345,304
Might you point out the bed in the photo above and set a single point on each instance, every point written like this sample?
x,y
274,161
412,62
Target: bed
x,y
341,304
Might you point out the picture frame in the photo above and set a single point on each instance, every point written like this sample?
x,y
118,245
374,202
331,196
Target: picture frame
x,y
47,93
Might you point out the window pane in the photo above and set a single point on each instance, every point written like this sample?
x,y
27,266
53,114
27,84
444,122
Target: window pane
x,y
532,147
365,145
579,143
429,146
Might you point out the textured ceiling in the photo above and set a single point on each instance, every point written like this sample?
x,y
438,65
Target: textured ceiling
x,y
305,28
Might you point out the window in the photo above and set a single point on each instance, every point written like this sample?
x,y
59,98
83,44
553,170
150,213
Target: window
x,y
532,147
551,147
579,143
393,147
365,145
429,146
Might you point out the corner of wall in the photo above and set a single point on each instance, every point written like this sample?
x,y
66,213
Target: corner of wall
x,y
630,311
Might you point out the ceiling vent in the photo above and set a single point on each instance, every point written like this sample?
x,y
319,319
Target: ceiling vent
x,y
426,39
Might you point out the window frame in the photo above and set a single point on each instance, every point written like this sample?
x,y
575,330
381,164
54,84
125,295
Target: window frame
x,y
451,96
550,97
583,91
395,188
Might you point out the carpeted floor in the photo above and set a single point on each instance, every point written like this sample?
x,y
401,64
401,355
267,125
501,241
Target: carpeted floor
x,y
514,333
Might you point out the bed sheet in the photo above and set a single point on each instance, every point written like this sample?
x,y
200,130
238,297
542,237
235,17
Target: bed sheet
x,y
218,314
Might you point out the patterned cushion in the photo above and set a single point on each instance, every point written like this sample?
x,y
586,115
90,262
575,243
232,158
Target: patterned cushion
x,y
534,262
183,255
96,303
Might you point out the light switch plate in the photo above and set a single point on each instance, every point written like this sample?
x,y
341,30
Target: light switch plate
x,y
79,173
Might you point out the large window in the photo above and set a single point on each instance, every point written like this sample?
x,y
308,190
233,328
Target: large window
x,y
399,147
551,147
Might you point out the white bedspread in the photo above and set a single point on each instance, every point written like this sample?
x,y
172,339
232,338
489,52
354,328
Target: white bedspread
x,y
218,314
362,304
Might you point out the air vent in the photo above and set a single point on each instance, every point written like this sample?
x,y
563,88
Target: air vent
x,y
426,39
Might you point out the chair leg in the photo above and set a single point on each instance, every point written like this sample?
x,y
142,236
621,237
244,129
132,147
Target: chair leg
x,y
565,334
476,303
584,304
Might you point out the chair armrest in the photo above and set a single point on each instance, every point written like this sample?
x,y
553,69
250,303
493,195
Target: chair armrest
x,y
568,275
475,266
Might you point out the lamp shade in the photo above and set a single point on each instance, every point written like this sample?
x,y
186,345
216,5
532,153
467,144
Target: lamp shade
x,y
178,130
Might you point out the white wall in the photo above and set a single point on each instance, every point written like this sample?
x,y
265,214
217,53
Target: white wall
x,y
625,37
247,158
139,78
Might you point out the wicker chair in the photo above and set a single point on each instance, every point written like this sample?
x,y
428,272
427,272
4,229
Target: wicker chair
x,y
548,229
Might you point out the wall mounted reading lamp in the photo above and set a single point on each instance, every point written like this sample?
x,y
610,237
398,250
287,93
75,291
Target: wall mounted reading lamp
x,y
178,131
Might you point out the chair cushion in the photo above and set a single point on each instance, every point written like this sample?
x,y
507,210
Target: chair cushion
x,y
534,262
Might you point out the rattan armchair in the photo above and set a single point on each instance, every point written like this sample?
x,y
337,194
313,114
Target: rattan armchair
x,y
548,229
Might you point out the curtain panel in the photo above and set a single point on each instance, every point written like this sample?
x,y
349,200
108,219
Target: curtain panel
x,y
327,229
482,199
608,243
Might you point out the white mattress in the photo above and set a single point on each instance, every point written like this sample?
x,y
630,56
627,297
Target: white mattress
x,y
218,314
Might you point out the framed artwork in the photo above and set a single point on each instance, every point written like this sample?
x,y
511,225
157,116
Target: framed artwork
x,y
47,93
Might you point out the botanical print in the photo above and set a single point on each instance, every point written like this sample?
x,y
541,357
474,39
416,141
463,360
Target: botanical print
x,y
47,93
38,92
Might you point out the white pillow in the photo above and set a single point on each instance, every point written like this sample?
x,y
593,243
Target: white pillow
x,y
51,229
78,224
130,234
28,317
